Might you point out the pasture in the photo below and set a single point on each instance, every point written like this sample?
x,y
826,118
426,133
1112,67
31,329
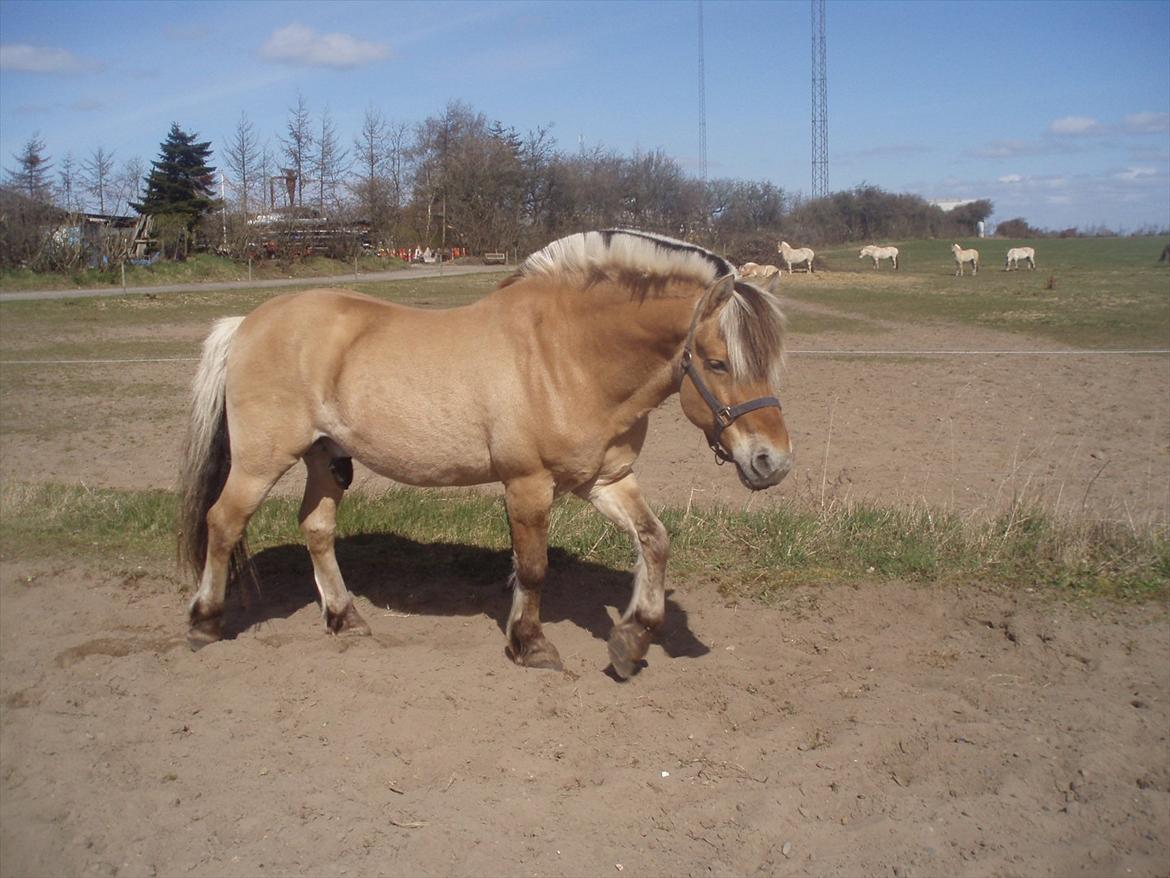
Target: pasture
x,y
937,648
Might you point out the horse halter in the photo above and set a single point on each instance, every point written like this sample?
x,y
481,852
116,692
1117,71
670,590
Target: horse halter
x,y
725,415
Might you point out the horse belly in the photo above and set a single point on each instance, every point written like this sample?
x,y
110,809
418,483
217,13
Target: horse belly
x,y
421,457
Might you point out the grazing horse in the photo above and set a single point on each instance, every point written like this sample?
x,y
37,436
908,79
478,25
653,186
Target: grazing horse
x,y
752,269
545,385
1015,254
795,255
962,256
877,254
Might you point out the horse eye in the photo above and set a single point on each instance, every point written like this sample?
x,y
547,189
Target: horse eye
x,y
717,366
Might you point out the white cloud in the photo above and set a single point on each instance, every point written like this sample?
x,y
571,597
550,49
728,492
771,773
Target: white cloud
x,y
1074,125
1011,178
301,45
1136,173
1147,123
23,58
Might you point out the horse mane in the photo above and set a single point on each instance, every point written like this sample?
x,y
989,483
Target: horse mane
x,y
751,322
627,255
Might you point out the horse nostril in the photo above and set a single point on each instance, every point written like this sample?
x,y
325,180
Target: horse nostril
x,y
767,465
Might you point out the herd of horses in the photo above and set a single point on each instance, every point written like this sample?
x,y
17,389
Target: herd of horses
x,y
791,256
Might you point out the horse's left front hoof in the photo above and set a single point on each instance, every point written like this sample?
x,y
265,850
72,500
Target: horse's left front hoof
x,y
628,644
348,621
203,632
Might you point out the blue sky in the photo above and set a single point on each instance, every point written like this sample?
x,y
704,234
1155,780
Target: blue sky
x,y
1057,111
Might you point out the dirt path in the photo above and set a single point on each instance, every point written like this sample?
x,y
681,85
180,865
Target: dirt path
x,y
412,272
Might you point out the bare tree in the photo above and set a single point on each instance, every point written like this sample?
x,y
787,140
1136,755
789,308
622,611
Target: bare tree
x,y
128,183
297,145
370,153
242,157
68,195
97,172
329,164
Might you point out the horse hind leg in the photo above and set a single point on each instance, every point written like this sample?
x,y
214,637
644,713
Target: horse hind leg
x,y
329,474
623,504
227,519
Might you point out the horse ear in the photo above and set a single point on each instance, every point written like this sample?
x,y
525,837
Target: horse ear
x,y
717,295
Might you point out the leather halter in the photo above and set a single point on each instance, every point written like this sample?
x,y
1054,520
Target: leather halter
x,y
725,415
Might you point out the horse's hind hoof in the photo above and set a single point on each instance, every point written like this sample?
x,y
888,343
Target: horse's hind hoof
x,y
348,621
204,631
628,643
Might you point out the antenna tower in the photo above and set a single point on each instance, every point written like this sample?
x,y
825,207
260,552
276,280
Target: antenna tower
x,y
820,104
702,102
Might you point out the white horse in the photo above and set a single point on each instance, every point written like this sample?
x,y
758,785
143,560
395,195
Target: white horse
x,y
748,269
1016,254
795,255
962,256
877,254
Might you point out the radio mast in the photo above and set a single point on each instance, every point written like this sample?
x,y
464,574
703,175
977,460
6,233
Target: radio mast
x,y
820,104
702,102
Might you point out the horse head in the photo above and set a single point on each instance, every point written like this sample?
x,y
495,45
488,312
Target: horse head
x,y
729,373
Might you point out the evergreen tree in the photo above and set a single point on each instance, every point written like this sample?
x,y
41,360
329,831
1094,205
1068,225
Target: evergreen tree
x,y
178,187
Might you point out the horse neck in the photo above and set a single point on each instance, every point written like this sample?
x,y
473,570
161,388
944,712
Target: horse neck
x,y
629,345
639,343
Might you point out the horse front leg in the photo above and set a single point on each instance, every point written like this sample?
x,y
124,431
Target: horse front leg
x,y
528,502
623,504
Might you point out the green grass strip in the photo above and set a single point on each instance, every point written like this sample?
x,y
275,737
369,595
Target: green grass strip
x,y
756,555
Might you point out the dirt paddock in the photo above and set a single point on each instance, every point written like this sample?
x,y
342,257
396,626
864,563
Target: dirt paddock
x,y
864,729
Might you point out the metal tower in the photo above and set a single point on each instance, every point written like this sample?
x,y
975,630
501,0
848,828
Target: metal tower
x,y
702,102
820,104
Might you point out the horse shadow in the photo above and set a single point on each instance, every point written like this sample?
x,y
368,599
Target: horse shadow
x,y
445,579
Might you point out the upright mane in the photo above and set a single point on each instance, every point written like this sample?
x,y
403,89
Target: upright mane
x,y
751,322
625,252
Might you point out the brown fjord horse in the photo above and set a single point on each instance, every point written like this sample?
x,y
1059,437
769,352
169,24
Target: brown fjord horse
x,y
545,385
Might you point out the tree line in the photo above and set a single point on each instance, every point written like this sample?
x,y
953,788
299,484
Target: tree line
x,y
454,179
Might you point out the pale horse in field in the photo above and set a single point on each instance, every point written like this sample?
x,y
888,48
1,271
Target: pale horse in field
x,y
795,255
1014,256
753,269
962,256
877,254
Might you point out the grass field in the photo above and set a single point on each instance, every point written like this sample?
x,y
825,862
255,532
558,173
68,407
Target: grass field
x,y
1085,292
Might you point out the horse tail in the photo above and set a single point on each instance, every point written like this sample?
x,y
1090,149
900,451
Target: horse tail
x,y
207,451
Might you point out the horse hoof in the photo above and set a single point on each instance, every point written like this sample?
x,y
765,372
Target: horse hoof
x,y
628,643
348,621
540,655
204,631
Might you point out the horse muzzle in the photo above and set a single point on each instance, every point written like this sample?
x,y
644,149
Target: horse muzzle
x,y
763,467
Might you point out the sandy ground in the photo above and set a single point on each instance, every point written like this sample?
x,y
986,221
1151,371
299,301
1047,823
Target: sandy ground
x,y
864,729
